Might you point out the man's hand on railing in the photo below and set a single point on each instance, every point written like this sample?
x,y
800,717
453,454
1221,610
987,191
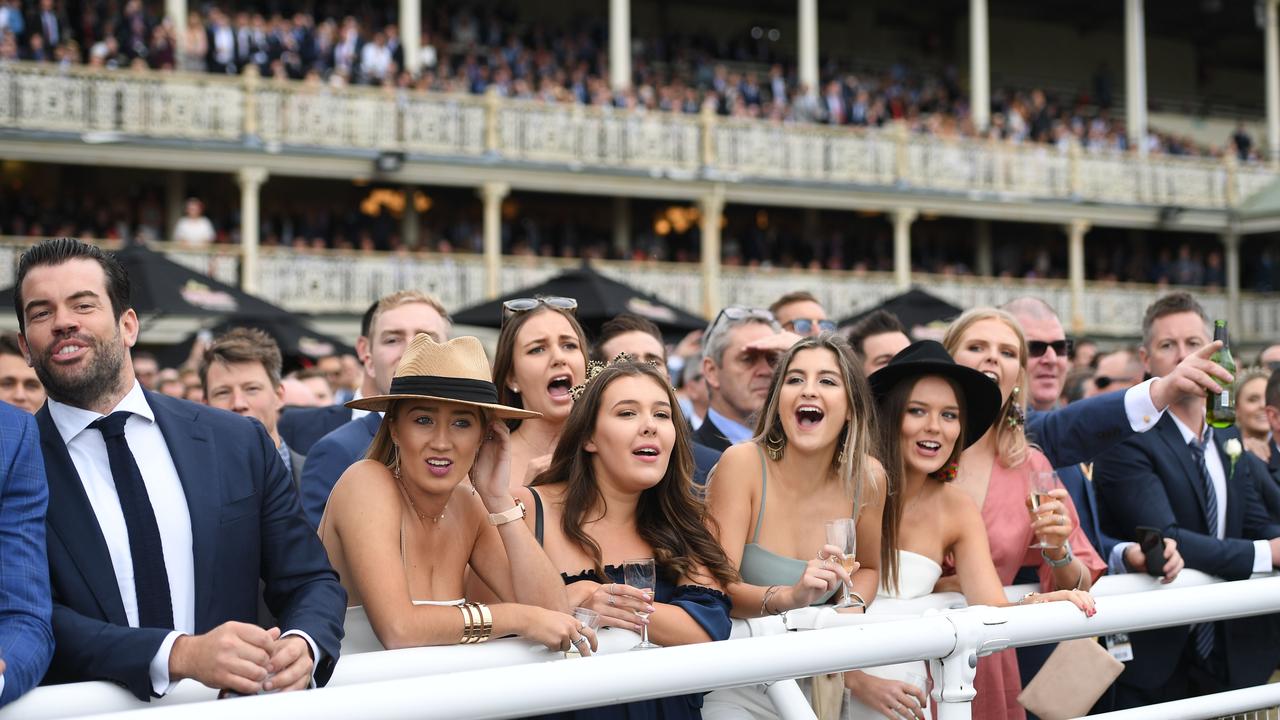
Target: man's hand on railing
x,y
1136,560
890,698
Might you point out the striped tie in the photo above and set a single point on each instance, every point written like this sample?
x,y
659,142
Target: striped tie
x,y
1203,632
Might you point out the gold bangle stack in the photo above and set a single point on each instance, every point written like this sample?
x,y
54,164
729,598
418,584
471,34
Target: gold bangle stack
x,y
477,623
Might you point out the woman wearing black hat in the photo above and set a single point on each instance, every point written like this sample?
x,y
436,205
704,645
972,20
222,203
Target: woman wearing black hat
x,y
403,526
929,410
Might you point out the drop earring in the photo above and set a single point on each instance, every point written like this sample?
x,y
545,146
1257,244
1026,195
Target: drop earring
x,y
774,445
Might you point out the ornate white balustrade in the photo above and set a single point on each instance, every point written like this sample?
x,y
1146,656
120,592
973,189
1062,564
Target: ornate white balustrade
x,y
283,115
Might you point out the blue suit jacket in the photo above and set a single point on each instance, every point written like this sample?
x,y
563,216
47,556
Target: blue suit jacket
x,y
246,525
329,458
1080,431
1153,480
704,458
301,427
1269,482
25,633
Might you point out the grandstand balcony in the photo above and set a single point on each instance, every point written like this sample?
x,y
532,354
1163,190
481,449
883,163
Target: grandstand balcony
x,y
257,128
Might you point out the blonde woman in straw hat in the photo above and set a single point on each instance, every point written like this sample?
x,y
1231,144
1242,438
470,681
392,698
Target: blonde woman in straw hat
x,y
402,525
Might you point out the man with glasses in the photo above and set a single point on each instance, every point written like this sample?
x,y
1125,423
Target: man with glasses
x,y
801,313
1048,350
1117,371
741,346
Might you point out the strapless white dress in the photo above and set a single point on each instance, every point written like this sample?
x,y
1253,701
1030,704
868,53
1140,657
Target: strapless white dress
x,y
917,576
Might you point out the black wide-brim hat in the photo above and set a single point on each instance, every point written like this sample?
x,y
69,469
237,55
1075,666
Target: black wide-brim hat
x,y
929,357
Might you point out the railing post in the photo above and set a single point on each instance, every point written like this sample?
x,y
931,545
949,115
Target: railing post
x,y
953,690
902,219
492,106
1232,187
902,158
1231,248
251,180
251,79
492,195
707,127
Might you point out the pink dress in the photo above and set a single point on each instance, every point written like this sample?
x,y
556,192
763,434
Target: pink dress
x,y
1004,512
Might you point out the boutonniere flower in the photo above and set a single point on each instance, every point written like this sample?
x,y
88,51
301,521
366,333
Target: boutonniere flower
x,y
1233,449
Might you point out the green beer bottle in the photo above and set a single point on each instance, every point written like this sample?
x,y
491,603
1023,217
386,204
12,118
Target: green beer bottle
x,y
1221,408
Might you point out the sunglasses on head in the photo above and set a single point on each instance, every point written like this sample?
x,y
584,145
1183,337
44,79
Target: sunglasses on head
x,y
515,306
1061,348
803,326
739,312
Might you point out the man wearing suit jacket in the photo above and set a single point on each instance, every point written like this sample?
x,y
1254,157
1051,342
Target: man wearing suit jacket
x,y
395,321
164,515
1179,479
25,634
240,373
1272,398
742,344
302,427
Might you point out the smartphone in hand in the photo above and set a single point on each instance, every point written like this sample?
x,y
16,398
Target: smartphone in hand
x,y
1151,541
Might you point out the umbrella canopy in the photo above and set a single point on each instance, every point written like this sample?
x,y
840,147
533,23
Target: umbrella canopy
x,y
162,287
300,346
914,309
599,299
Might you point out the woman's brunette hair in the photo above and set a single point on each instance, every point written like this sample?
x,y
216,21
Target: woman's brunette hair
x,y
504,358
669,515
890,409
1012,446
853,458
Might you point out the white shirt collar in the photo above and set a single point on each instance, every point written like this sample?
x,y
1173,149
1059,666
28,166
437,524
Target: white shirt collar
x,y
71,420
1188,434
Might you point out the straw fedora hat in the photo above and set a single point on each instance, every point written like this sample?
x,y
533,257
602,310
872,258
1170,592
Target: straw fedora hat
x,y
456,371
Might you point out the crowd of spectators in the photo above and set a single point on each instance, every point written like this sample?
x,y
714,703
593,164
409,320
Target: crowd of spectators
x,y
463,51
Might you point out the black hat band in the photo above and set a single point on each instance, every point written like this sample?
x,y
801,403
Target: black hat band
x,y
460,389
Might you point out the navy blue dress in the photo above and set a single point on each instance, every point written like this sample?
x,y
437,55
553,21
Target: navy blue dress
x,y
709,608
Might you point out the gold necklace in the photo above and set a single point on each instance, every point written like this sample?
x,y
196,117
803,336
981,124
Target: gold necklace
x,y
422,517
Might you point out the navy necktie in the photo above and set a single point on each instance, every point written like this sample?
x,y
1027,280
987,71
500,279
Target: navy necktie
x,y
150,579
1203,633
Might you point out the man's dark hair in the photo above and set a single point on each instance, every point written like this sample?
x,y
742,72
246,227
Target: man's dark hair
x,y
367,319
792,297
1272,394
1171,304
9,345
876,323
61,250
620,325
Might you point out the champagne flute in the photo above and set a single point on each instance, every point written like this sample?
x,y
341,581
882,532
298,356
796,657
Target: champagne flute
x,y
588,618
1039,483
843,533
642,575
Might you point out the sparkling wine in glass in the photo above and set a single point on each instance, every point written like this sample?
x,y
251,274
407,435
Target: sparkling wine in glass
x,y
1039,483
843,533
641,574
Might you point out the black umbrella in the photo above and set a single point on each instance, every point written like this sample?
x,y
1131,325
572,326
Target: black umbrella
x,y
300,346
913,308
163,288
599,299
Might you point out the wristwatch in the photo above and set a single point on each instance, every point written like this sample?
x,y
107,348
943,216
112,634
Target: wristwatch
x,y
1065,561
502,518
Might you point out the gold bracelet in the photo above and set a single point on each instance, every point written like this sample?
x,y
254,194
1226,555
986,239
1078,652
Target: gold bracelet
x,y
861,601
764,602
466,623
486,622
470,629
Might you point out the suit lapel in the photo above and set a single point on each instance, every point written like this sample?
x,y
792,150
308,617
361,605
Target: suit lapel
x,y
72,519
1235,510
1274,463
192,450
1170,434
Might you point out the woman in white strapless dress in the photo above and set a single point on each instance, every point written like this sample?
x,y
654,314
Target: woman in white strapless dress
x,y
930,409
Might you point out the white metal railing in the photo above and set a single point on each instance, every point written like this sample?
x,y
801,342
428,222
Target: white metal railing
x,y
279,115
950,640
1123,601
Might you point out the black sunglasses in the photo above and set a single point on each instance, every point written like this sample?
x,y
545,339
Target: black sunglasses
x,y
1061,348
515,306
803,326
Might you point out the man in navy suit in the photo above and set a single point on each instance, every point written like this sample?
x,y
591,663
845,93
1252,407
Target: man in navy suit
x,y
25,635
301,427
1179,479
1272,398
395,321
164,515
741,346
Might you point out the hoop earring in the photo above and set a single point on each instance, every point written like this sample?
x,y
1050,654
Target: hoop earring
x,y
774,446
